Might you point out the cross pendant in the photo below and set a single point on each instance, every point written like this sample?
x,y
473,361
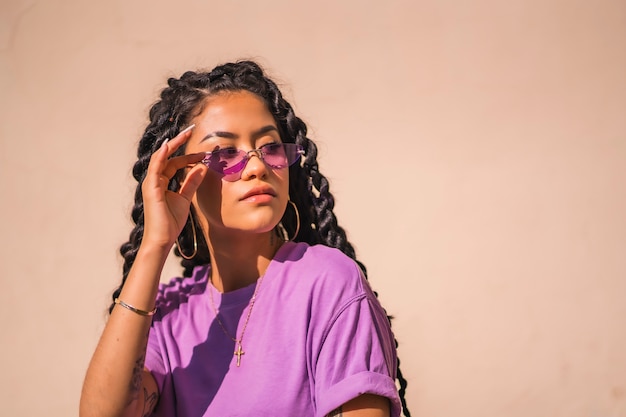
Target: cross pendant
x,y
238,353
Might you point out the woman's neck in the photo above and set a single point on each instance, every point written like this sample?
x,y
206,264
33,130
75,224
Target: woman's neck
x,y
238,261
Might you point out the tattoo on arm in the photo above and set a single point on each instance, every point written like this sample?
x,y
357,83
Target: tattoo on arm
x,y
136,379
337,412
149,401
137,376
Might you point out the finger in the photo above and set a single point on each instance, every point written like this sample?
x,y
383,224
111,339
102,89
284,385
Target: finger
x,y
159,158
182,137
192,181
175,164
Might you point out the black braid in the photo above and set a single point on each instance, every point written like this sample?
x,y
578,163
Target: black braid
x,y
308,188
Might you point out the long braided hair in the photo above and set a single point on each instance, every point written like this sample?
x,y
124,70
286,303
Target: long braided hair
x,y
308,188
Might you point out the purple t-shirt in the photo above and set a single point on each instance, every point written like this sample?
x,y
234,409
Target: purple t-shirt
x,y
316,338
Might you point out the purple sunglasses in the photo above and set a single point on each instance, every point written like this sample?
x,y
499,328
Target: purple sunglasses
x,y
230,162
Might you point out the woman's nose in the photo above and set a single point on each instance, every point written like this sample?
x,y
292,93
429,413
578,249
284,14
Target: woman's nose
x,y
255,166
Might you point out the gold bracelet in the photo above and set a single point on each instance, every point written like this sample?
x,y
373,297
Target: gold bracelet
x,y
135,309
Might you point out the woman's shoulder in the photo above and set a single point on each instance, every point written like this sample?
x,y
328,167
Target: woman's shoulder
x,y
319,257
329,283
325,268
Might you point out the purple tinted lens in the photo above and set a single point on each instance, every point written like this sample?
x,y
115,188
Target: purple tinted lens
x,y
274,155
226,161
236,167
281,155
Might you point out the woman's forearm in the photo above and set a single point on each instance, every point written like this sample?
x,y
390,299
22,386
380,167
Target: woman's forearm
x,y
114,380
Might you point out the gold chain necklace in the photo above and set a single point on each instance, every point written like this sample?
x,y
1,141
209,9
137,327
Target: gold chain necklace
x,y
238,347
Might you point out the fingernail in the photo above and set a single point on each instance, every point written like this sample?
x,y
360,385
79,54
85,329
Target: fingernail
x,y
187,129
165,142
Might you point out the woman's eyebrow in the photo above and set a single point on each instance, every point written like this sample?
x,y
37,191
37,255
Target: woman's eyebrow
x,y
229,135
265,129
220,134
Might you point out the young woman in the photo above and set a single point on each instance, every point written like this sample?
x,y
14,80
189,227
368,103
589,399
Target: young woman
x,y
273,316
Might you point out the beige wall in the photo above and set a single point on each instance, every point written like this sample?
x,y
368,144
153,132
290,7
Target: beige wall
x,y
477,150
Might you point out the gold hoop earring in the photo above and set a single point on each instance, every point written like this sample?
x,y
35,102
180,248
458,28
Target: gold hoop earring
x,y
284,230
195,240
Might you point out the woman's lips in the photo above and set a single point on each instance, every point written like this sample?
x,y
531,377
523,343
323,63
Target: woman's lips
x,y
259,194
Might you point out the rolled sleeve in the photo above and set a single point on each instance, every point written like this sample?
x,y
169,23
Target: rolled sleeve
x,y
356,357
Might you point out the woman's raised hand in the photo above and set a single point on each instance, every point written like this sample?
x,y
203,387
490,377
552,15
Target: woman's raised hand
x,y
166,211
